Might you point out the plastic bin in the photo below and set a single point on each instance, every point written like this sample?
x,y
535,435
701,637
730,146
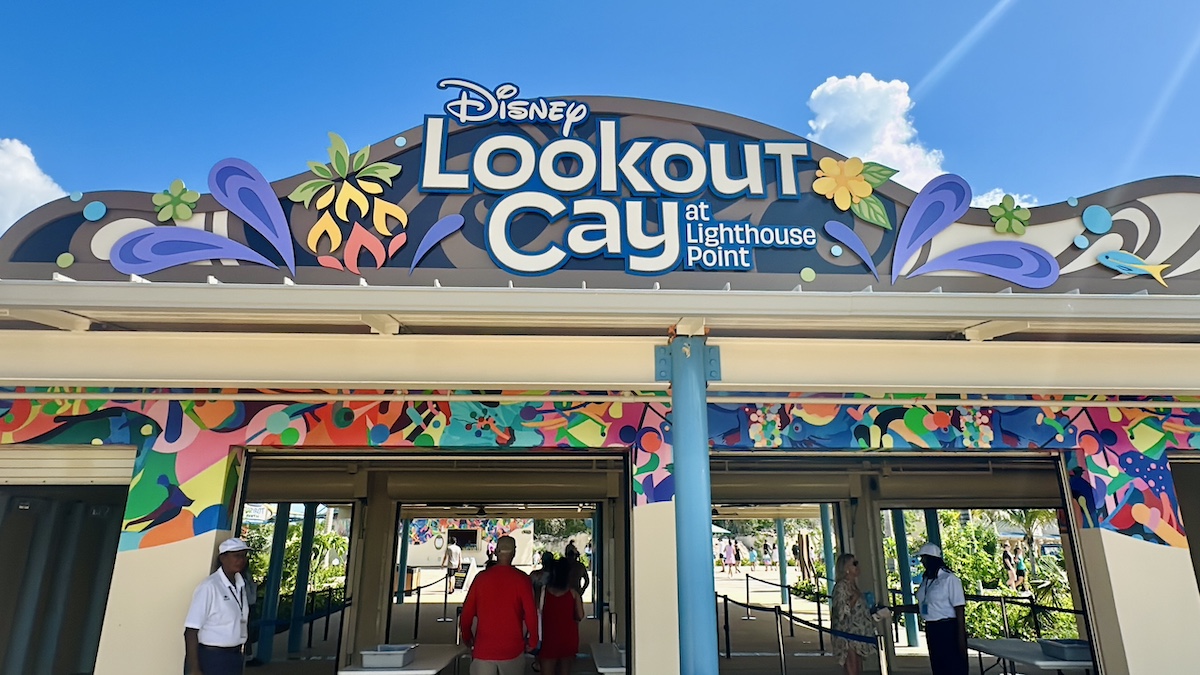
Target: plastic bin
x,y
1067,650
388,656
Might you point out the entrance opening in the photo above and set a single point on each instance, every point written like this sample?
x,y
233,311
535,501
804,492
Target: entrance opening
x,y
408,508
978,501
1185,470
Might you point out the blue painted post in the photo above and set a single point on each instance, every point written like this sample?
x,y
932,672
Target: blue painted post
x,y
690,365
905,570
933,528
827,545
403,565
781,544
303,567
270,609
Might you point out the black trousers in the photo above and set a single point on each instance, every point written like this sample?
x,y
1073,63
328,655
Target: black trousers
x,y
946,654
215,661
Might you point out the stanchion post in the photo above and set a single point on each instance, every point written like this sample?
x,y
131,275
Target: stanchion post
x,y
779,640
791,613
749,616
417,615
728,648
446,598
820,624
1004,616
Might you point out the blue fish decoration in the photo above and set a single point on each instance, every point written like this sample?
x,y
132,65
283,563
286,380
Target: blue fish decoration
x,y
1128,263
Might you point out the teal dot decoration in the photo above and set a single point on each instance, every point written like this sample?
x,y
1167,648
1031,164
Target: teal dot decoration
x,y
94,211
1071,201
277,422
808,274
76,196
401,141
1097,219
836,251
1082,242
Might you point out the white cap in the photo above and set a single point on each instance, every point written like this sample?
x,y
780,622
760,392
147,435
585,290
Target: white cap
x,y
930,550
232,545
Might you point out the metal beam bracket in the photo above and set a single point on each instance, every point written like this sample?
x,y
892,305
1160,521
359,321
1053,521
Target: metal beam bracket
x,y
662,363
712,363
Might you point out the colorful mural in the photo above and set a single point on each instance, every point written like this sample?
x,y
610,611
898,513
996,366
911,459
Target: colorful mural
x,y
188,458
424,529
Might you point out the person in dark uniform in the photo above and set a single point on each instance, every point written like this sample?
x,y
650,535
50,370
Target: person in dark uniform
x,y
942,604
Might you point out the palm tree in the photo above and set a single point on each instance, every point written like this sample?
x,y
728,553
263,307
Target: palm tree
x,y
1028,521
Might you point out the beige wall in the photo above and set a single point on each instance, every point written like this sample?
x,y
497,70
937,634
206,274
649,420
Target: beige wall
x,y
144,634
655,595
1144,602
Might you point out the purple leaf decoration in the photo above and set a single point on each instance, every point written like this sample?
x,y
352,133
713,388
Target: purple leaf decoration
x,y
844,235
239,187
157,248
440,230
1013,261
941,202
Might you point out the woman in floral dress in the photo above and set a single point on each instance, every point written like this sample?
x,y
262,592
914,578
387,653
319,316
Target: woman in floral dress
x,y
850,615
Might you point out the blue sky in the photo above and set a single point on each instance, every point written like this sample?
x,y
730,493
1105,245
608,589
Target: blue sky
x,y
1050,99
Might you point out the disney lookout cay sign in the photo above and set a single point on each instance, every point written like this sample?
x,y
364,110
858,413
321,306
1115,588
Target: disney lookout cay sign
x,y
614,193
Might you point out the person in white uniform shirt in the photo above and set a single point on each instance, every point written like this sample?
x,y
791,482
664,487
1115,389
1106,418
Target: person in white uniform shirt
x,y
942,605
215,628
452,560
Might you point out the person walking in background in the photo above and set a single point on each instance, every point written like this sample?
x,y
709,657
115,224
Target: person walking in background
x,y
451,560
775,555
766,556
942,604
580,580
1022,570
851,616
562,610
729,558
214,630
1008,562
753,558
499,619
738,555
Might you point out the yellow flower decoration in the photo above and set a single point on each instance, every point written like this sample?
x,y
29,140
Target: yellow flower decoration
x,y
842,182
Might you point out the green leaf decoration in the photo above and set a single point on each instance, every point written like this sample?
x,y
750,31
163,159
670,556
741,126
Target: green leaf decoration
x,y
871,210
308,189
161,199
877,174
360,158
339,154
321,170
383,171
190,197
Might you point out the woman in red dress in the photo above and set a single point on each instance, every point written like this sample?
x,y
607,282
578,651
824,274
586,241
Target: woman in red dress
x,y
562,610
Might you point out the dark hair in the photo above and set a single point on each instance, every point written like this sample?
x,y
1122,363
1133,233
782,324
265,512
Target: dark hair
x,y
547,559
560,574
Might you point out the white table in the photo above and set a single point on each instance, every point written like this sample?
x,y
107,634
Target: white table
x,y
607,658
1020,651
427,660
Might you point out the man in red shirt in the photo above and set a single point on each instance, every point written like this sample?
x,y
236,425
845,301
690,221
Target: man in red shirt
x,y
499,620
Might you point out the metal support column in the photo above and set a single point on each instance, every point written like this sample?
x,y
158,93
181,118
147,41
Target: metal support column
x,y
905,573
827,545
270,609
596,561
303,567
691,365
933,528
781,546
109,520
406,524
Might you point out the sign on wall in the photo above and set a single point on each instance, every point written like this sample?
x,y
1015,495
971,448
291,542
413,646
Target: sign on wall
x,y
501,187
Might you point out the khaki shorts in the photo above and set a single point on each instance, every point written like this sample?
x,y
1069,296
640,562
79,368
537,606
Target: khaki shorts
x,y
511,667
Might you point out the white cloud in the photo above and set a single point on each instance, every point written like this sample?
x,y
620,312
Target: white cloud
x,y
23,185
860,116
994,196
869,118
